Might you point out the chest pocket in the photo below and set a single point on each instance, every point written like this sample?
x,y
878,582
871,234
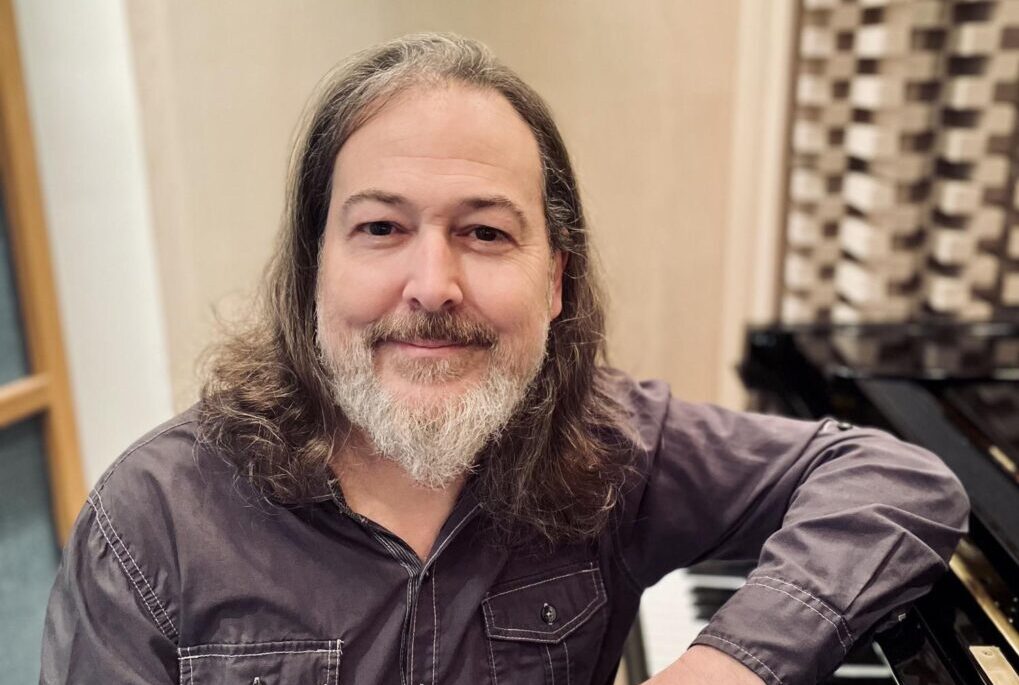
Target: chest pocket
x,y
302,662
546,629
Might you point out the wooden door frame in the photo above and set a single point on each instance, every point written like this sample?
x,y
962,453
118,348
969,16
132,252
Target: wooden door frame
x,y
46,391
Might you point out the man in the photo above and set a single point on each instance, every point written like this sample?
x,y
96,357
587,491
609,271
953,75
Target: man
x,y
412,469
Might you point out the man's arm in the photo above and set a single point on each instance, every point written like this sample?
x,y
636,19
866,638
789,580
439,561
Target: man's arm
x,y
103,625
846,524
702,665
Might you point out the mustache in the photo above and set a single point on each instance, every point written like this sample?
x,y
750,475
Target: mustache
x,y
454,328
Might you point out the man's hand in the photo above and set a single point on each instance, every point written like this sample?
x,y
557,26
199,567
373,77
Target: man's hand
x,y
703,665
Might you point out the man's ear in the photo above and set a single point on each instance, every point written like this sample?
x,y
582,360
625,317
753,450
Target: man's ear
x,y
559,260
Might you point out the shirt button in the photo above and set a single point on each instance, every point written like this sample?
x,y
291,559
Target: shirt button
x,y
844,425
548,614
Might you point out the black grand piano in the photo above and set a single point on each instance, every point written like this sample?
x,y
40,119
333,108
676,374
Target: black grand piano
x,y
953,389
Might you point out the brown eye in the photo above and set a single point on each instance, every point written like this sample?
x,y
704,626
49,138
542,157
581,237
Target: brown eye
x,y
487,233
379,228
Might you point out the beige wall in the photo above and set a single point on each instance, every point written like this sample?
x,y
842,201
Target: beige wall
x,y
644,95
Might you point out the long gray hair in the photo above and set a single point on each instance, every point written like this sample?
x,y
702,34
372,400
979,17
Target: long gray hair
x,y
266,405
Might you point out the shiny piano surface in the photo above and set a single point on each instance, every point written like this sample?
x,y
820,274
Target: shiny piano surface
x,y
953,389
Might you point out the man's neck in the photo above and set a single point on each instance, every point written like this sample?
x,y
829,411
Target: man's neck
x,y
380,490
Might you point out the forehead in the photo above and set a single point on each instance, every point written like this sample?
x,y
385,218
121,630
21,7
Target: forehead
x,y
444,139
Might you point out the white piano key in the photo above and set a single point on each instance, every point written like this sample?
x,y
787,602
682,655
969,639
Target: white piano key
x,y
951,246
880,40
987,223
957,197
907,168
856,284
868,142
910,118
816,41
864,286
797,308
1005,12
808,136
806,185
1012,250
946,294
866,192
875,92
976,310
974,38
800,272
802,230
862,240
842,312
1010,290
992,171
668,621
962,145
998,119
969,92
893,309
982,271
812,90
1003,66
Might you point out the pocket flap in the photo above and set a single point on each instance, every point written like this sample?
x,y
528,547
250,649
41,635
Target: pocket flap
x,y
267,663
544,609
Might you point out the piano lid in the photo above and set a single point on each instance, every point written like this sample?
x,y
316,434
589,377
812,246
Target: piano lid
x,y
929,351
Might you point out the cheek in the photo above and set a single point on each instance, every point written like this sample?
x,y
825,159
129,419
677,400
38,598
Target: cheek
x,y
351,292
513,300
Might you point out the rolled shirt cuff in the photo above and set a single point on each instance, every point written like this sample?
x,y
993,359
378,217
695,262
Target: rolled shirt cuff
x,y
783,633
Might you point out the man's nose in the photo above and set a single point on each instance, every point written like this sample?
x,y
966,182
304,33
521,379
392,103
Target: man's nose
x,y
434,280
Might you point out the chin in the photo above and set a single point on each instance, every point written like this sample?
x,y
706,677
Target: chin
x,y
427,392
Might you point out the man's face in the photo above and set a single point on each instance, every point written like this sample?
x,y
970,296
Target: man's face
x,y
435,270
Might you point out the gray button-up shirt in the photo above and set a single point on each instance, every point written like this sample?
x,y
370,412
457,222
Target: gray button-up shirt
x,y
178,572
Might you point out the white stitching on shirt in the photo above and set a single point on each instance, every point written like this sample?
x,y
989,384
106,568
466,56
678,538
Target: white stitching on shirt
x,y
824,605
551,669
339,658
729,642
491,653
141,594
566,652
269,653
435,623
132,450
838,633
541,635
155,597
457,527
540,582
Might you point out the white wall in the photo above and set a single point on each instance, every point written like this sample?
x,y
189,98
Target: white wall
x,y
80,86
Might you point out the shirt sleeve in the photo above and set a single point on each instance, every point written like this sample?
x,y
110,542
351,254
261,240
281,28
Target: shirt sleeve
x,y
103,623
847,524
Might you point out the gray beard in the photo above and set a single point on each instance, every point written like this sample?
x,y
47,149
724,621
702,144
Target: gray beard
x,y
436,443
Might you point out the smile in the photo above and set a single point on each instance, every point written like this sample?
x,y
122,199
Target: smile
x,y
434,349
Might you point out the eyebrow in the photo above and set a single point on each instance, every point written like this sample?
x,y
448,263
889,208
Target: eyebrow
x,y
475,203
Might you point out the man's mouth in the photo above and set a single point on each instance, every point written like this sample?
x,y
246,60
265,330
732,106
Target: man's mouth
x,y
431,344
429,348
